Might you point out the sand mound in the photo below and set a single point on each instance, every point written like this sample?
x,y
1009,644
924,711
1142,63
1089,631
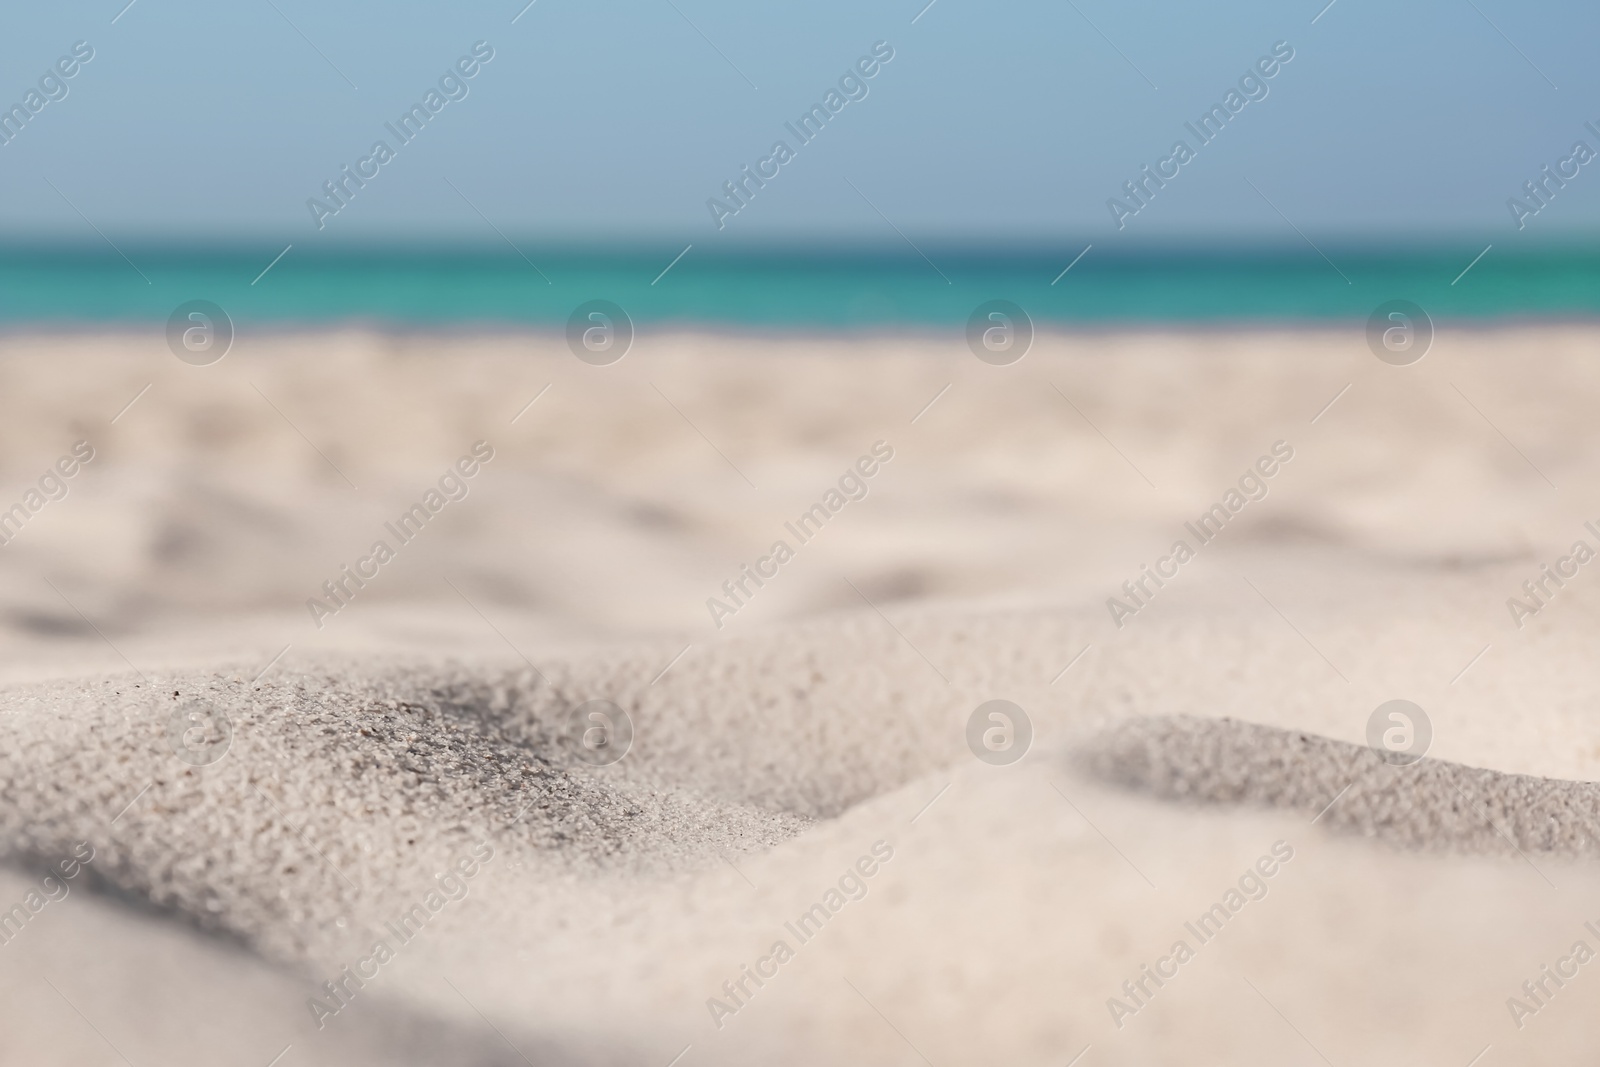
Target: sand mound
x,y
620,899
332,797
1431,804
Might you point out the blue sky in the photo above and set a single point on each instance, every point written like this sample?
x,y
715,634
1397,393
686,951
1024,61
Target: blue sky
x,y
995,122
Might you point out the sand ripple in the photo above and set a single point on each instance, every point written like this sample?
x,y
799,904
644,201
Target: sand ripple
x,y
1430,805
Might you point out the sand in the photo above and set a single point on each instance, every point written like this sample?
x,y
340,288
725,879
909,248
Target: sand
x,y
1423,805
821,731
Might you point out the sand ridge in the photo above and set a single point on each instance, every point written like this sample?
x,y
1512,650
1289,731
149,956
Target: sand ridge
x,y
1429,804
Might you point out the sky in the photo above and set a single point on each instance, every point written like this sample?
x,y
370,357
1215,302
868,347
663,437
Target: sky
x,y
995,123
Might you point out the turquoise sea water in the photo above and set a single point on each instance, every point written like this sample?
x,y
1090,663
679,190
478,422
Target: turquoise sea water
x,y
785,290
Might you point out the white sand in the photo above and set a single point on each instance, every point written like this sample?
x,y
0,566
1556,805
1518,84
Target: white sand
x,y
772,755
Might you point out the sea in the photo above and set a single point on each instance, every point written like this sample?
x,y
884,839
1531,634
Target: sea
x,y
806,288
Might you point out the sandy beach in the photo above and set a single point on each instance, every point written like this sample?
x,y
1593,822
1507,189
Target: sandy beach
x,y
267,790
